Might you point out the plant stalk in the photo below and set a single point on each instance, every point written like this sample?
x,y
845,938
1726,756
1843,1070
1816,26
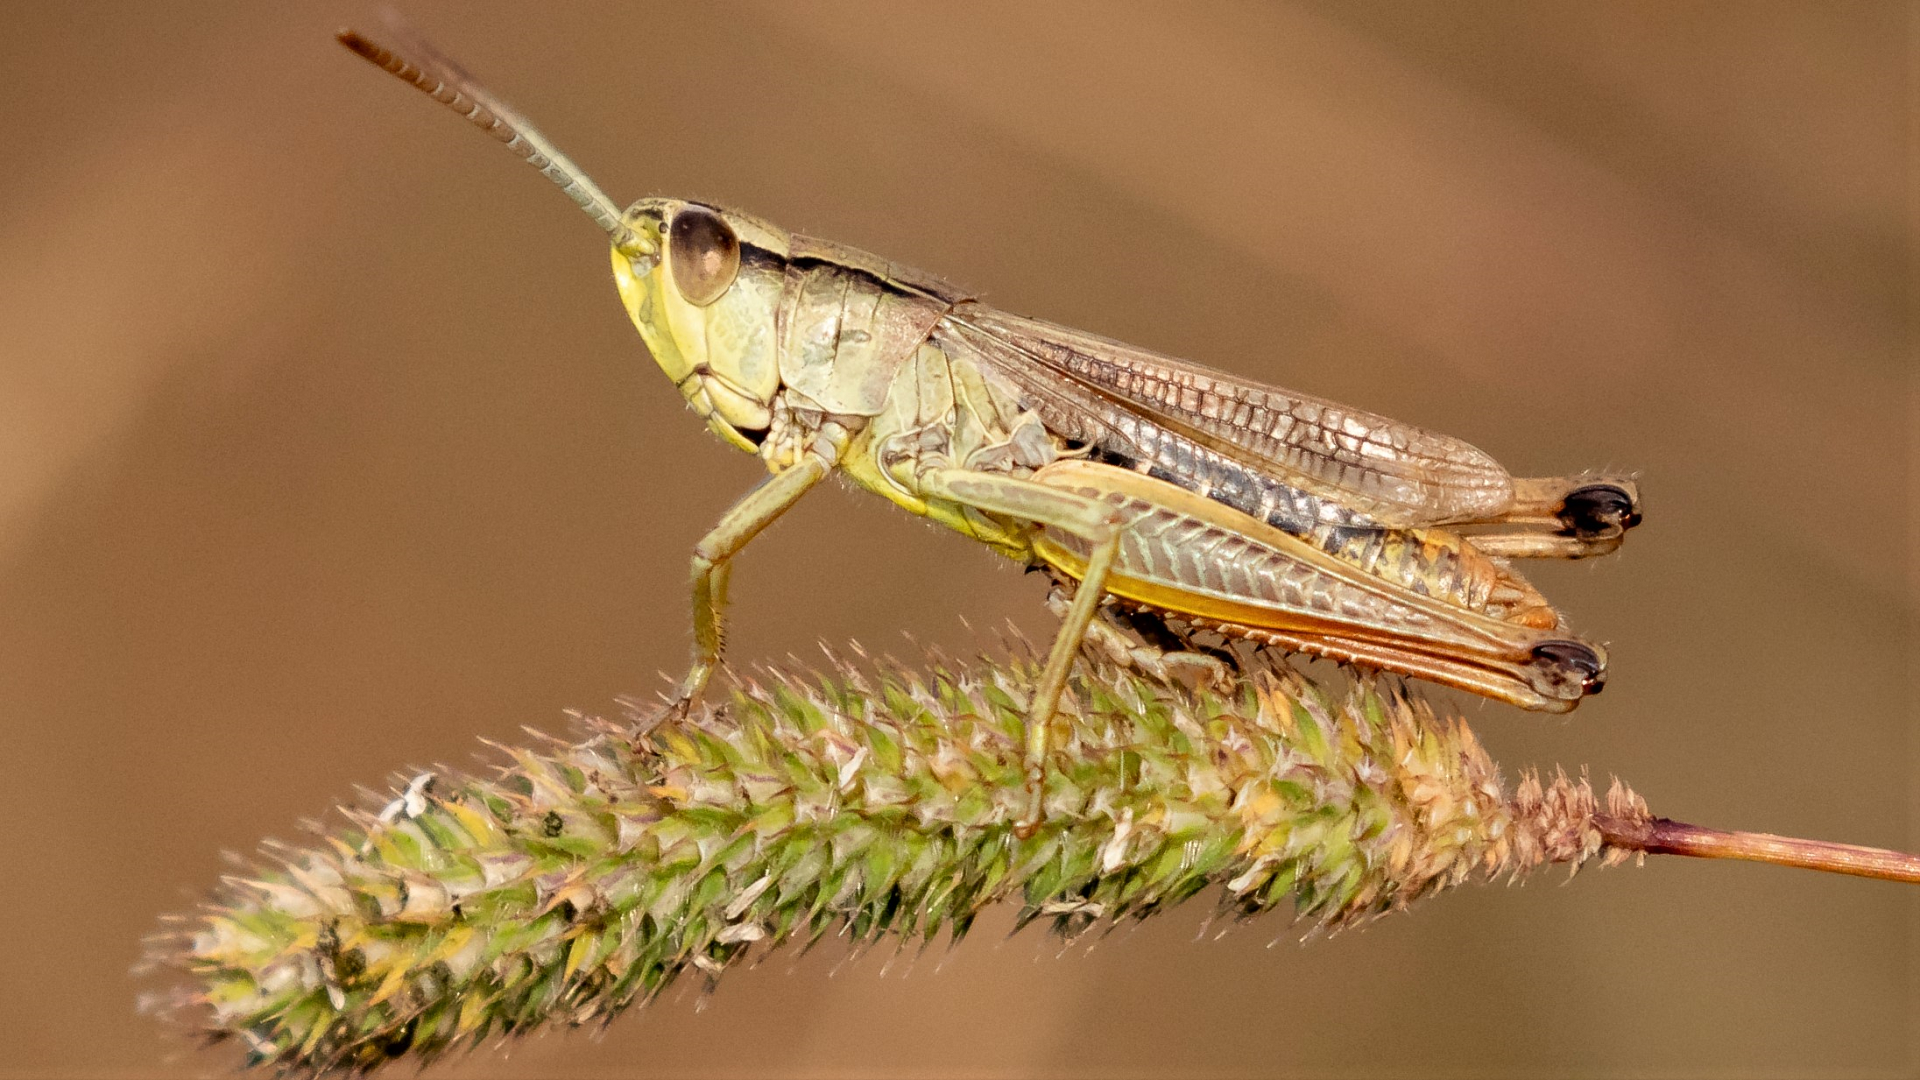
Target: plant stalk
x,y
1663,836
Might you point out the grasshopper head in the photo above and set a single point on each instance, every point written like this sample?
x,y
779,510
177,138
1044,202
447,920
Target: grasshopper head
x,y
702,285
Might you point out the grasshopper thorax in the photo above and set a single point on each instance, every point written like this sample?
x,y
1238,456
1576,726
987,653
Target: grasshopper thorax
x,y
703,287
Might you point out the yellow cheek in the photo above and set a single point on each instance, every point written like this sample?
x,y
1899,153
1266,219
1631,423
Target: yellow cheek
x,y
687,325
641,297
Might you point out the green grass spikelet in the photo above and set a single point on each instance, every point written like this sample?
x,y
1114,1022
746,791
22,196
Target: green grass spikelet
x,y
588,876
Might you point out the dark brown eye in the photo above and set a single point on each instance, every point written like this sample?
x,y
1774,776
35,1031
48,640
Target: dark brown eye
x,y
703,254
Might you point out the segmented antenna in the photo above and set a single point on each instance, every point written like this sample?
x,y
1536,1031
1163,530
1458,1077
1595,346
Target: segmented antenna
x,y
446,82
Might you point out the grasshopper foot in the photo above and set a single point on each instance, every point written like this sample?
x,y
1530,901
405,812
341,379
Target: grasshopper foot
x,y
678,709
691,689
1165,663
1198,669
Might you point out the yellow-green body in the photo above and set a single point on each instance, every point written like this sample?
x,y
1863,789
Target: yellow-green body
x,y
817,348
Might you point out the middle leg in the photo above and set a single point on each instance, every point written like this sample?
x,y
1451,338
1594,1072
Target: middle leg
x,y
1090,520
1161,653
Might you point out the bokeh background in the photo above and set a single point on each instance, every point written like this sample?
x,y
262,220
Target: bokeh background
x,y
325,448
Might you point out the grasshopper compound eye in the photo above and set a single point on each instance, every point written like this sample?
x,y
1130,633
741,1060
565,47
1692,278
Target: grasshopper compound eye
x,y
703,255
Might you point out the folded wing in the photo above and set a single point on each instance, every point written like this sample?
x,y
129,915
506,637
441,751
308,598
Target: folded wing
x,y
1127,400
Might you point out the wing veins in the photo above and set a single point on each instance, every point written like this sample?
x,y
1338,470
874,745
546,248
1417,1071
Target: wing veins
x,y
1486,485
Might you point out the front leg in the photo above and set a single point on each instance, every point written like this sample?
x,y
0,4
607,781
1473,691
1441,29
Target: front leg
x,y
712,561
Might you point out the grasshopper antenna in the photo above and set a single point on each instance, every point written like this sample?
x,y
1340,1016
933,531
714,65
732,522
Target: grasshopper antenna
x,y
440,78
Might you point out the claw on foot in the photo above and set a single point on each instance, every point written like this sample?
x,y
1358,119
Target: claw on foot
x,y
691,689
1167,663
1202,670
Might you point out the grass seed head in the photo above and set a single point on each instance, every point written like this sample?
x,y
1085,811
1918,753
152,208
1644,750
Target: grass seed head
x,y
589,875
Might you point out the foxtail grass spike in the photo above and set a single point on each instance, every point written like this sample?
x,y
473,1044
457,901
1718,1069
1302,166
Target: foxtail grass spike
x,y
587,876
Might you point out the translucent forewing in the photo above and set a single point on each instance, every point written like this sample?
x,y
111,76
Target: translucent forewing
x,y
1388,472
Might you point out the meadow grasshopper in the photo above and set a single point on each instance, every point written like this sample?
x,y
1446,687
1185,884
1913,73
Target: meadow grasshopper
x,y
1171,499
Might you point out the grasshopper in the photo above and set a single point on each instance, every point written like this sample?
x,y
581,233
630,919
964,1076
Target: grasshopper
x,y
1172,499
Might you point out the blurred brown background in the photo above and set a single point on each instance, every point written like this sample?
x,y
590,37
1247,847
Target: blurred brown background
x,y
325,448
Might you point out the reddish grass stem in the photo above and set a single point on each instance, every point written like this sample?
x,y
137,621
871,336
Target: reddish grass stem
x,y
1661,836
